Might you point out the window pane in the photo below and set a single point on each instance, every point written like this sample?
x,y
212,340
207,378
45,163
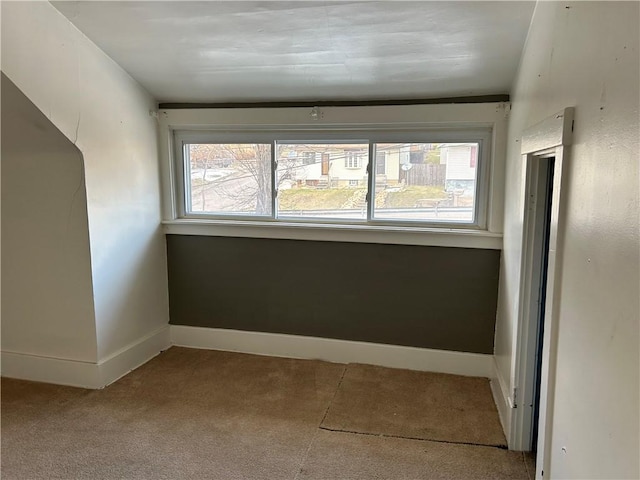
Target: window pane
x,y
322,180
433,182
229,178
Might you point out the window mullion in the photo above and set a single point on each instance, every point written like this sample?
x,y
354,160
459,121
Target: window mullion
x,y
186,176
274,183
370,182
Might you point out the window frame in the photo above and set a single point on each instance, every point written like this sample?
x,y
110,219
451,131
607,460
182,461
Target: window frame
x,y
353,159
371,137
485,115
184,197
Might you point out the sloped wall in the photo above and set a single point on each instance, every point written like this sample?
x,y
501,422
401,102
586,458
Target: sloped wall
x,y
47,297
105,113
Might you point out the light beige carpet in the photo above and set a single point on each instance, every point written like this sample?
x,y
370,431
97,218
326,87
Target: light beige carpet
x,y
418,405
339,455
197,414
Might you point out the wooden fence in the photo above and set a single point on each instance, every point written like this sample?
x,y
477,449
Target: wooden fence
x,y
428,174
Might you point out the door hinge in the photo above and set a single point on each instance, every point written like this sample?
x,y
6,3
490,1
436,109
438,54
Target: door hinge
x,y
515,397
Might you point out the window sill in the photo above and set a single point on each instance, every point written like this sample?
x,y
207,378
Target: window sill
x,y
400,235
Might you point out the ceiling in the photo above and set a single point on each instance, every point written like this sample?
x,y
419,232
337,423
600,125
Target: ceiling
x,y
239,51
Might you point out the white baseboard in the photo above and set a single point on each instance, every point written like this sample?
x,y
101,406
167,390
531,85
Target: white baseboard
x,y
500,392
340,351
133,355
85,374
98,375
50,370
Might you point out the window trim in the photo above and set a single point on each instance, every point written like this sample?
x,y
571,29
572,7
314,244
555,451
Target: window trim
x,y
481,136
435,118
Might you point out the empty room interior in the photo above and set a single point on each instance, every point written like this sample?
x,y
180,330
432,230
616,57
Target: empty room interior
x,y
320,239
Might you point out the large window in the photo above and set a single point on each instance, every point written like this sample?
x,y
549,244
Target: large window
x,y
424,178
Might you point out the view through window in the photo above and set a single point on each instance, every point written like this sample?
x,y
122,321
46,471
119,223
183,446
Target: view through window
x,y
305,191
229,178
412,182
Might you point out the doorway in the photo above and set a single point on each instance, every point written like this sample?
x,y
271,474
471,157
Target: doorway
x,y
542,222
544,150
539,204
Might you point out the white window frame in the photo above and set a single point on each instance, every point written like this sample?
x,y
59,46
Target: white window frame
x,y
482,123
353,159
274,137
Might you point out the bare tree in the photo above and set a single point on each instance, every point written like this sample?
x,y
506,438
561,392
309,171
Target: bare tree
x,y
246,189
201,156
254,161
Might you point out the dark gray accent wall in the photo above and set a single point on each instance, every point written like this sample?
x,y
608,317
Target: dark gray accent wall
x,y
431,297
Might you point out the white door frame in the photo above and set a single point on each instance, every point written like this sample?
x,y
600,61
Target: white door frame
x,y
550,138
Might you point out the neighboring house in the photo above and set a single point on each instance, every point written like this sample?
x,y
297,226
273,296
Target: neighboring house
x,y
344,165
341,165
460,160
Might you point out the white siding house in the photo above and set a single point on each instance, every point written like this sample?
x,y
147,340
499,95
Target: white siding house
x,y
460,160
339,166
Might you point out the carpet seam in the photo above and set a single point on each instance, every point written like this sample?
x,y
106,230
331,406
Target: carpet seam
x,y
335,394
530,475
384,435
315,434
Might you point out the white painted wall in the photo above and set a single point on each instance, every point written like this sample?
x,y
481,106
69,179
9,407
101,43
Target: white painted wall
x,y
100,108
47,301
585,54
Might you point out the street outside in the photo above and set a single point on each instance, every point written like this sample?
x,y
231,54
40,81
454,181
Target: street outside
x,y
229,191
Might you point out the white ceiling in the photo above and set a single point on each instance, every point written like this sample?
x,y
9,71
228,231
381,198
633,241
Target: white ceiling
x,y
238,51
